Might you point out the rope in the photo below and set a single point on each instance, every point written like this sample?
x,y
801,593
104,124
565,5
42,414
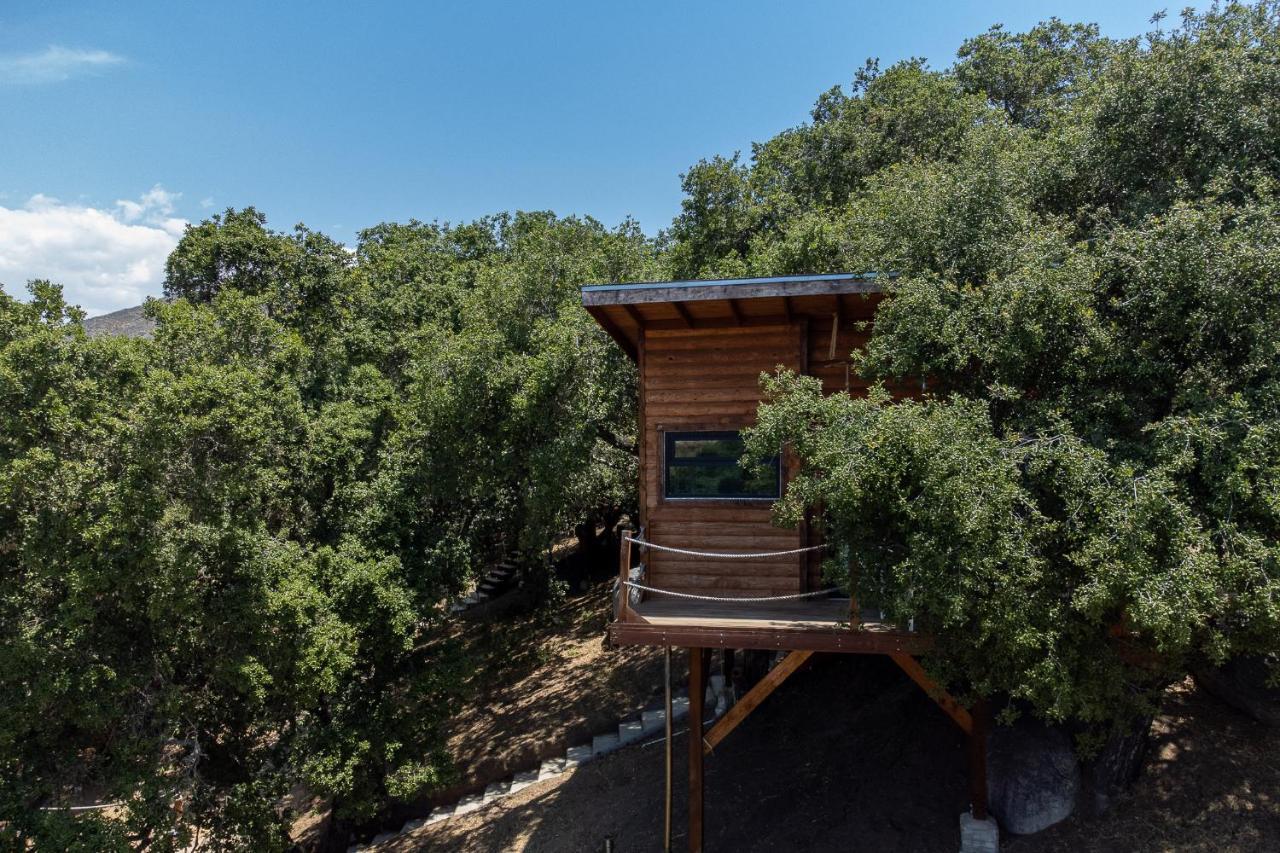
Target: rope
x,y
721,556
81,808
753,599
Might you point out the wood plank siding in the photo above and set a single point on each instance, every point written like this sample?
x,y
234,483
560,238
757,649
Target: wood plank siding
x,y
709,379
701,347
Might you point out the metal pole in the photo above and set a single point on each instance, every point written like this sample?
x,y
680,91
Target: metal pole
x,y
666,834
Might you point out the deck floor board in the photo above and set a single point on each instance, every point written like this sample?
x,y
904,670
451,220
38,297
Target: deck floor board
x,y
821,614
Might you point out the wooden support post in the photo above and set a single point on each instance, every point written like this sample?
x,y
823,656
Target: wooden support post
x,y
945,700
835,332
697,691
753,698
666,828
980,713
624,575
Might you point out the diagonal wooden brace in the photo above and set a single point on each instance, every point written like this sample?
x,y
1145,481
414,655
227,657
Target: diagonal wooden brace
x,y
944,700
753,698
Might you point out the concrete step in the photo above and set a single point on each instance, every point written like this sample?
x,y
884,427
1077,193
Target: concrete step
x,y
550,768
522,780
383,836
470,600
457,607
653,721
412,825
440,813
679,707
496,790
604,744
469,803
716,683
630,732
577,755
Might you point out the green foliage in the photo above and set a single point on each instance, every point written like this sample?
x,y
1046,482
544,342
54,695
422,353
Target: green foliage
x,y
222,549
1088,289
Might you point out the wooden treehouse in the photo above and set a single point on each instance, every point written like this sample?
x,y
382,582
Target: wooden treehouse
x,y
707,569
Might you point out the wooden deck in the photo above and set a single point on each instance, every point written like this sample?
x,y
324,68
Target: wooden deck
x,y
821,625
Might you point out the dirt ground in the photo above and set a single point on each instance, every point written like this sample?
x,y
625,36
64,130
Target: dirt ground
x,y
849,755
539,682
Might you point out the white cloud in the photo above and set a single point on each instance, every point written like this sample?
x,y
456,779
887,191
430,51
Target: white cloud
x,y
54,64
105,259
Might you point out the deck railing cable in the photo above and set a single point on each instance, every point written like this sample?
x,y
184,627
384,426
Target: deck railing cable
x,y
750,599
715,555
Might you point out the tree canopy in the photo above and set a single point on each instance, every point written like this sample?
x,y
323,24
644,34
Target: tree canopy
x,y
220,548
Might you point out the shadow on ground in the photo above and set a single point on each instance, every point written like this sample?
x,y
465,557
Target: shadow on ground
x,y
849,755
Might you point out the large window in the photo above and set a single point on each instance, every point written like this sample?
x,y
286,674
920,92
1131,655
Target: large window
x,y
705,465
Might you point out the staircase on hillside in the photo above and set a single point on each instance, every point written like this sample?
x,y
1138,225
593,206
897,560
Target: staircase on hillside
x,y
496,581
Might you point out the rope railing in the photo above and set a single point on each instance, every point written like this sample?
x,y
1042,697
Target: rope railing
x,y
715,555
750,599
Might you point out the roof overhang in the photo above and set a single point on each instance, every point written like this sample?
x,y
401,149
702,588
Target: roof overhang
x,y
625,310
730,288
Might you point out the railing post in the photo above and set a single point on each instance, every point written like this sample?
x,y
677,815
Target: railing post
x,y
624,575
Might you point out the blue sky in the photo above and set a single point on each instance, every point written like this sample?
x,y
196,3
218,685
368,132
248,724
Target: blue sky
x,y
121,121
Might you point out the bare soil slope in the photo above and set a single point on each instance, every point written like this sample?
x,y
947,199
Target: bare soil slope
x,y
849,755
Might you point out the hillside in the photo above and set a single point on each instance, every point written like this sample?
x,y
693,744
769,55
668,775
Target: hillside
x,y
851,750
129,322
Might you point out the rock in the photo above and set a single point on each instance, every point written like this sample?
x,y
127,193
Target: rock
x,y
1033,777
1116,765
1242,684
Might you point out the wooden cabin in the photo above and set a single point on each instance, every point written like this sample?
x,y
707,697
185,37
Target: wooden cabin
x,y
707,567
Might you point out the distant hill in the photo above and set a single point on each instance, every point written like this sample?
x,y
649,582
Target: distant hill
x,y
129,322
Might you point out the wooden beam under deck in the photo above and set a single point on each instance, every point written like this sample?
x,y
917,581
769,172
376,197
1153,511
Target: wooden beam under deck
x,y
749,702
942,698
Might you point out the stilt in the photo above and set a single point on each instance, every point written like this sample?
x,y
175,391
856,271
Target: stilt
x,y
978,759
978,830
666,829
697,689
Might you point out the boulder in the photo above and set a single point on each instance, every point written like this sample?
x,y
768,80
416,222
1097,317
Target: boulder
x,y
1033,777
1242,684
1117,764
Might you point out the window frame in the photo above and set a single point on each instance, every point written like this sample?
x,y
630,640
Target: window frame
x,y
667,444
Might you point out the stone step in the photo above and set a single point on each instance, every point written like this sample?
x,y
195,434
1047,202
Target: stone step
x,y
496,790
630,732
524,779
457,607
383,836
440,813
716,683
679,707
413,825
469,803
470,600
577,755
604,744
551,767
652,721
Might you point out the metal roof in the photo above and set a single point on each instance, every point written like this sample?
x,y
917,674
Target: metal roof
x,y
732,288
